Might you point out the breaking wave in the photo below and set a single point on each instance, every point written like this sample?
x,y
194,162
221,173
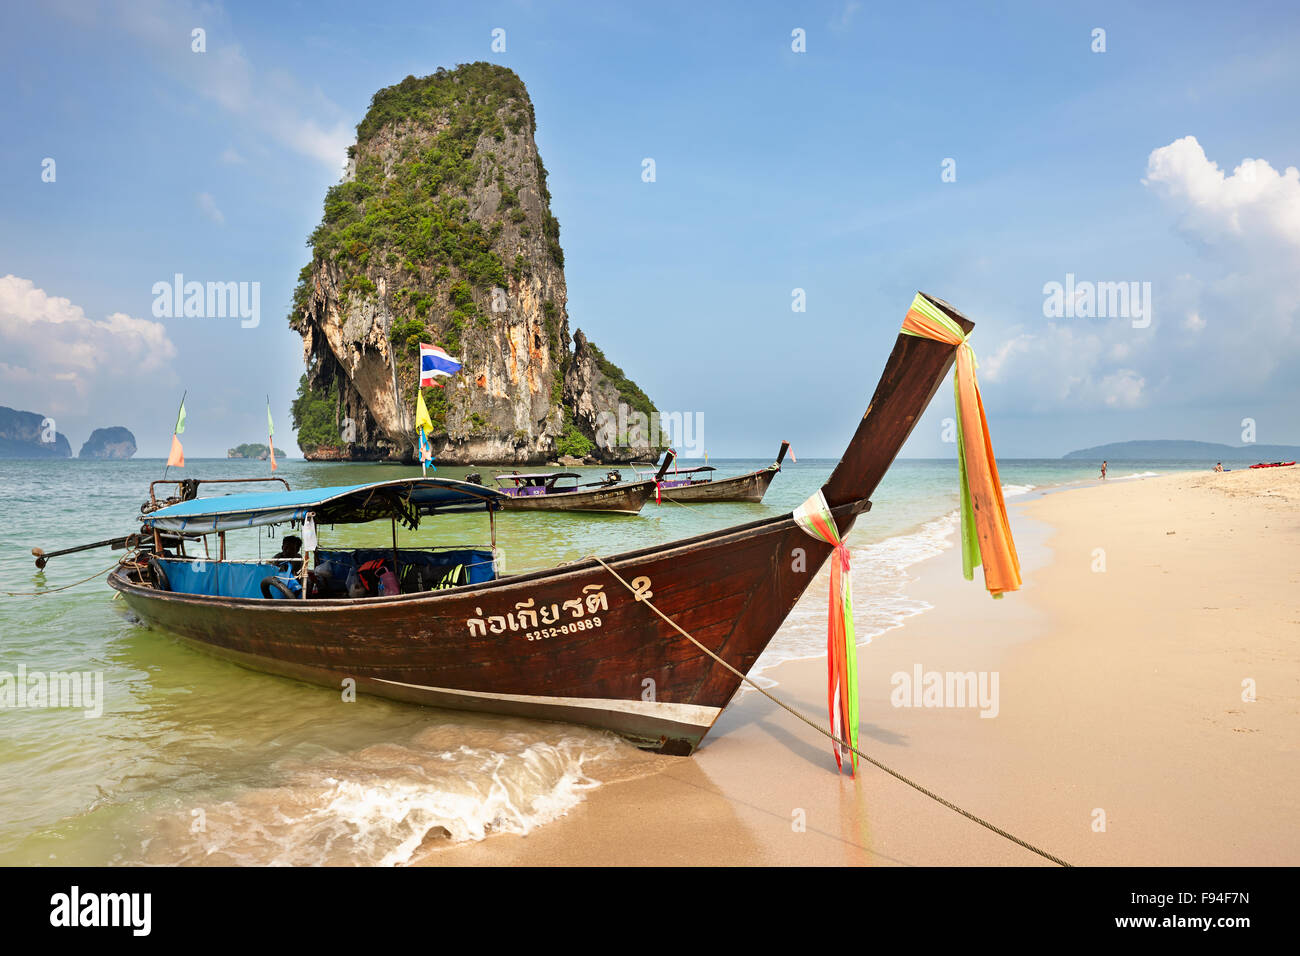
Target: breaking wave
x,y
389,803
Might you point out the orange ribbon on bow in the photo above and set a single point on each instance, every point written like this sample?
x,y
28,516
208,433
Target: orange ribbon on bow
x,y
985,530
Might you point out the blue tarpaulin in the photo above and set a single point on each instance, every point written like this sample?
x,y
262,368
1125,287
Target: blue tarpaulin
x,y
217,578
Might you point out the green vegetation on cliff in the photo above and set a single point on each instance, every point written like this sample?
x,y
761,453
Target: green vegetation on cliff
x,y
572,442
628,391
314,413
444,221
415,211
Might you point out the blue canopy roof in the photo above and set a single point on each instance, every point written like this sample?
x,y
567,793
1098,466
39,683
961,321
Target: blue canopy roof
x,y
405,499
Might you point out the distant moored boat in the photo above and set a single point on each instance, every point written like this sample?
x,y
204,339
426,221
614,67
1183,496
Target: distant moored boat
x,y
697,484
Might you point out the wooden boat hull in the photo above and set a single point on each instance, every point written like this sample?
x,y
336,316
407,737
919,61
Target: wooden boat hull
x,y
749,487
624,499
569,644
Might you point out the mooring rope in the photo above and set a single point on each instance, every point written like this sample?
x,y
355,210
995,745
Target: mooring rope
x,y
64,588
827,733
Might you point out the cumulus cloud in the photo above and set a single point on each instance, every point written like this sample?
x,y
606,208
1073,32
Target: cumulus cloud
x,y
1244,304
1225,330
57,360
1254,205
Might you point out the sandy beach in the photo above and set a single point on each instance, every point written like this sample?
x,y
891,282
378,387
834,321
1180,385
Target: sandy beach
x,y
1147,710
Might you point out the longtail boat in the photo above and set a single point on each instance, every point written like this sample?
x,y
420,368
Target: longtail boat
x,y
569,643
688,485
560,491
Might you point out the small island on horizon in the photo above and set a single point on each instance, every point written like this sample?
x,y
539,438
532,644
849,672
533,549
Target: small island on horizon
x,y
250,450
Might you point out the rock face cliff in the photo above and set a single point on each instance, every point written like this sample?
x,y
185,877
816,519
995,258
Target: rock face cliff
x,y
25,435
441,232
114,442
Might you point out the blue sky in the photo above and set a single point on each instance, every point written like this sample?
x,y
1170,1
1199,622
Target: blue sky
x,y
775,170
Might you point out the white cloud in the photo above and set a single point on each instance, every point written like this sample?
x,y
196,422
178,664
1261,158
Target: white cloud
x,y
847,12
208,206
232,158
1227,330
1243,309
1075,364
1122,389
60,362
271,102
1256,204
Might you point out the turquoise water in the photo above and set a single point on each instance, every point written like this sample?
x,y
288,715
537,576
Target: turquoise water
x,y
195,760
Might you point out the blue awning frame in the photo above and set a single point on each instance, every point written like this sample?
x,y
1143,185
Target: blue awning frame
x,y
403,499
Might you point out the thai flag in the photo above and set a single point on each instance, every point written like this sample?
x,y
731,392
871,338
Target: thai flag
x,y
434,362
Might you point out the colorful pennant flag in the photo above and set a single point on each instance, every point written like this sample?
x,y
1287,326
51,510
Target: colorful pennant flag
x,y
814,517
270,432
985,531
176,457
423,423
426,453
434,362
423,429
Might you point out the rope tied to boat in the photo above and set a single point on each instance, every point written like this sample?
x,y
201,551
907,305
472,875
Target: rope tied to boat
x,y
64,587
839,743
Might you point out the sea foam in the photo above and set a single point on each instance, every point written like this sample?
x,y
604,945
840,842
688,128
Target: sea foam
x,y
390,803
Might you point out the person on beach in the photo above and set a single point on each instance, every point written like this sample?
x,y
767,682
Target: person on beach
x,y
1218,466
1103,471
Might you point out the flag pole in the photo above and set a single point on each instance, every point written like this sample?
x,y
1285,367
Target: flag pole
x,y
178,415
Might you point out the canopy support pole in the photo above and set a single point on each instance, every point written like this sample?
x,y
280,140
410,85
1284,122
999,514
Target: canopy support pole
x,y
394,520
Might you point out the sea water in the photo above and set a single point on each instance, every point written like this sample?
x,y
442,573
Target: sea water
x,y
195,760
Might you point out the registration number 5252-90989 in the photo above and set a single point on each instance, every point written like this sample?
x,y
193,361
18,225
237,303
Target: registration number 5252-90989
x,y
571,628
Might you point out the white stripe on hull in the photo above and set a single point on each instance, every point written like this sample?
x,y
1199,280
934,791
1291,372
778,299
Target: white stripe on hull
x,y
691,714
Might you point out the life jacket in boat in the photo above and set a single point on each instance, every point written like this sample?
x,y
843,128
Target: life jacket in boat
x,y
373,575
454,578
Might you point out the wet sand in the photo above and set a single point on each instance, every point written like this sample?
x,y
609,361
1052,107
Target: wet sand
x,y
1121,736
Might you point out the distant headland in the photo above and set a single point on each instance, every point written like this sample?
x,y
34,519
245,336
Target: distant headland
x,y
30,435
33,435
1166,450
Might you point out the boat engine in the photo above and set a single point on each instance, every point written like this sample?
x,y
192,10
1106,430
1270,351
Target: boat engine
x,y
474,478
613,476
